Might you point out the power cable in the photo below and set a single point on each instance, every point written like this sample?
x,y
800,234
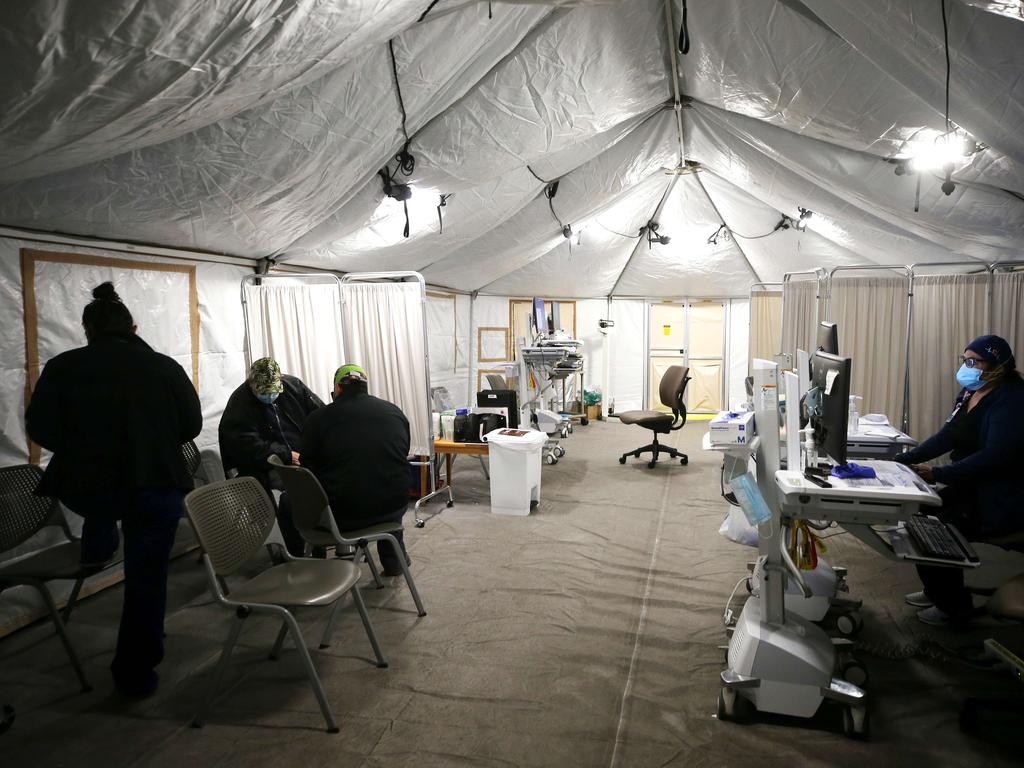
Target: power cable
x,y
684,34
945,42
428,10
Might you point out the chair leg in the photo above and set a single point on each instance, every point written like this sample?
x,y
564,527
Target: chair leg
x,y
62,633
275,653
373,566
325,641
72,599
361,607
314,678
408,576
218,675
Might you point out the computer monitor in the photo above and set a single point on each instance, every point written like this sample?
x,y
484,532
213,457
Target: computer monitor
x,y
828,338
540,317
830,404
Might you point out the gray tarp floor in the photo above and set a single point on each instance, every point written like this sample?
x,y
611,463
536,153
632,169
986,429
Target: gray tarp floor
x,y
587,634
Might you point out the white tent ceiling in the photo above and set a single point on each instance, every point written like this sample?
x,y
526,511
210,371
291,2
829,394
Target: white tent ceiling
x,y
257,128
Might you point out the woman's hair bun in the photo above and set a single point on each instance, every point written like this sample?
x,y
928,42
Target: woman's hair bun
x,y
105,292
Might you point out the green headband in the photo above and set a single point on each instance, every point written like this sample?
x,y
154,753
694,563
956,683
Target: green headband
x,y
350,371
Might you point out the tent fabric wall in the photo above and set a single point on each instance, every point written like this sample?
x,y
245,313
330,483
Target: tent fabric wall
x,y
871,315
627,351
740,328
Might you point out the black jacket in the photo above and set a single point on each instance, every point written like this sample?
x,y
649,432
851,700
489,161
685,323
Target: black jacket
x,y
987,456
115,414
251,432
358,447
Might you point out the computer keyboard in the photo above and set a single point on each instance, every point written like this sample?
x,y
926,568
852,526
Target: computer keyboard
x,y
934,538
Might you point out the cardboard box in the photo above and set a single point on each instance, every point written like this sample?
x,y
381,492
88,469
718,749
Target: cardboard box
x,y
593,412
728,428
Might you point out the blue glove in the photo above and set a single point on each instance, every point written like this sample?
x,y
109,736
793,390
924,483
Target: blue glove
x,y
847,471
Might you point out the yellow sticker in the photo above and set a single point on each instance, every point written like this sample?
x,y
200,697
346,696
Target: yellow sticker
x,y
667,329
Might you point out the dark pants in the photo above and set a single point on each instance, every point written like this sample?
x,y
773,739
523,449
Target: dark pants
x,y
945,586
293,541
385,552
149,521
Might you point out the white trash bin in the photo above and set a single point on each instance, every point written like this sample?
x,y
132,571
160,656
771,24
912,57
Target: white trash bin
x,y
515,469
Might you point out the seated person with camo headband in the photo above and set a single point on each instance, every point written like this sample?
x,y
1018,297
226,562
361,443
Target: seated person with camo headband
x,y
264,417
358,447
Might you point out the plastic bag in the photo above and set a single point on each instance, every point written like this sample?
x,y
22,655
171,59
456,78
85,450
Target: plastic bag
x,y
591,397
736,528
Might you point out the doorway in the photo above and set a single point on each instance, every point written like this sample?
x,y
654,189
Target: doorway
x,y
690,333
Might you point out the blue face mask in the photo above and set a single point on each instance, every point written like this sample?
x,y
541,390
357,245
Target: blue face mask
x,y
267,399
970,378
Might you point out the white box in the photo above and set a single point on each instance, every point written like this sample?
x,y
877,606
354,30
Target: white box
x,y
729,428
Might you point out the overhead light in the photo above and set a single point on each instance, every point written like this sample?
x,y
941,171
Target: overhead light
x,y
721,233
567,232
805,217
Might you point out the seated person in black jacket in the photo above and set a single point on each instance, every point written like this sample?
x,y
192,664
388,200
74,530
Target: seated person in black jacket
x,y
115,414
358,447
264,417
984,485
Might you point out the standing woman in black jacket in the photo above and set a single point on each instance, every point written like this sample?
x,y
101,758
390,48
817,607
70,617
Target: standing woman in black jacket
x,y
984,486
115,414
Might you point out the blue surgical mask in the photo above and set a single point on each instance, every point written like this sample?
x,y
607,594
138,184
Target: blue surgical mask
x,y
970,378
268,399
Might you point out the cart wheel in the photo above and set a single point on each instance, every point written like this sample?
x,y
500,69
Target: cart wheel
x,y
849,624
855,723
685,460
450,504
726,705
651,463
559,452
622,459
550,458
570,427
584,421
750,586
853,671
420,523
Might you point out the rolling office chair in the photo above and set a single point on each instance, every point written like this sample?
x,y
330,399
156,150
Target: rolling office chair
x,y
496,381
673,386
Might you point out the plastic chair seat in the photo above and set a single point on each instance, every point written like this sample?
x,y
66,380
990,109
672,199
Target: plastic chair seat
x,y
61,561
648,419
373,530
299,582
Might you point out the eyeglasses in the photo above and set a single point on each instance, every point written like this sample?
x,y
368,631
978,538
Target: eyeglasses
x,y
970,362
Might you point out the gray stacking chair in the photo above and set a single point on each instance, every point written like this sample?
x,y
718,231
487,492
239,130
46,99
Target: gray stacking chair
x,y
193,459
22,516
232,519
312,515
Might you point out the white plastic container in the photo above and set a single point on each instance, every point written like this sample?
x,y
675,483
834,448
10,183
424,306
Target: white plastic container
x,y
515,469
448,425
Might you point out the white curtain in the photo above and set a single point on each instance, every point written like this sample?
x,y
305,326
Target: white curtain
x,y
1008,311
300,327
799,316
765,324
949,311
384,331
871,315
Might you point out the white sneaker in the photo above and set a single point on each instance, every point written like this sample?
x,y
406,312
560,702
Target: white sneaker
x,y
934,617
918,600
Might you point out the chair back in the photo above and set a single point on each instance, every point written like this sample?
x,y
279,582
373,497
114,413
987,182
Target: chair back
x,y
232,520
192,458
311,510
22,513
496,381
672,388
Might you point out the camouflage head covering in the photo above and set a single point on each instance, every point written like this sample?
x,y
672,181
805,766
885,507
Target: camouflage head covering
x,y
265,377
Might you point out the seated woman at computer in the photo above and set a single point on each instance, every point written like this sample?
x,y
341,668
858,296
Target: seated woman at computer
x,y
984,480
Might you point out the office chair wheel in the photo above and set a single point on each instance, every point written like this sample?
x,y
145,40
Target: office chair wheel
x,y
849,624
420,523
622,459
853,671
685,460
856,724
651,463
